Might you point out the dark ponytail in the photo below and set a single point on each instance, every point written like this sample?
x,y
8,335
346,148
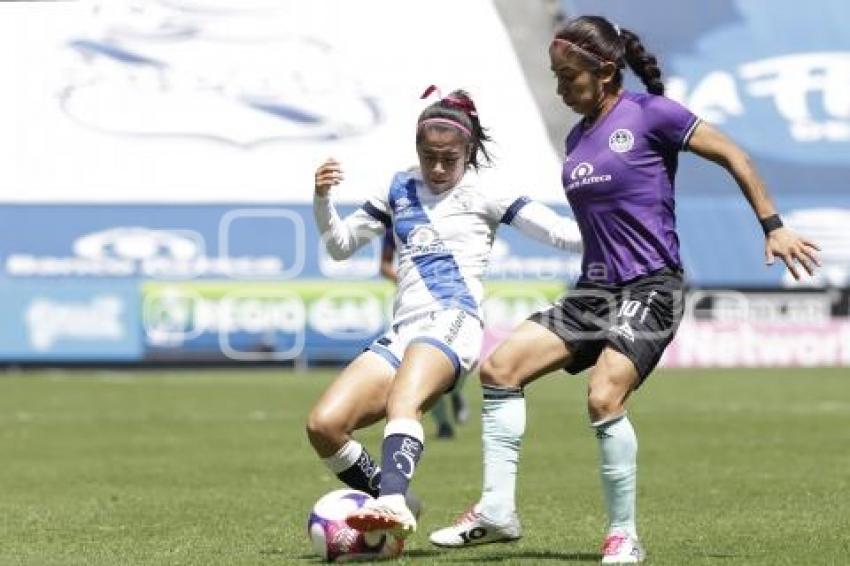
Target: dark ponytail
x,y
458,107
642,62
605,42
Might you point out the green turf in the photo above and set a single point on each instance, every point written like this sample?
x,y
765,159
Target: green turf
x,y
207,468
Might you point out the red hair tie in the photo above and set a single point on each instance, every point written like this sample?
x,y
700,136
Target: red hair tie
x,y
431,90
462,104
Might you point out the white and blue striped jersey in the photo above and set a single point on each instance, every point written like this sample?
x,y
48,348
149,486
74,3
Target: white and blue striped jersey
x,y
443,240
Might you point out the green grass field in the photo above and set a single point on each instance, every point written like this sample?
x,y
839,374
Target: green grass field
x,y
212,467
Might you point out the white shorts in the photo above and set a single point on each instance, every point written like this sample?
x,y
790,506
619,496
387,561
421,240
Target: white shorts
x,y
457,333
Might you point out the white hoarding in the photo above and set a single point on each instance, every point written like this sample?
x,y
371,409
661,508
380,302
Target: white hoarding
x,y
221,101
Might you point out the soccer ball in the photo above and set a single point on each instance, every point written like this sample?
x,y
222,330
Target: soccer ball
x,y
335,541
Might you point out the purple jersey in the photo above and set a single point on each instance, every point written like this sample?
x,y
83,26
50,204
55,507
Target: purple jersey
x,y
619,176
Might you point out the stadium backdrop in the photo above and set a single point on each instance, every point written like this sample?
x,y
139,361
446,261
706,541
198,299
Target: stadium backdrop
x,y
156,201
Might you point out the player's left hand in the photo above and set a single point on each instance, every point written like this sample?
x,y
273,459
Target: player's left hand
x,y
793,250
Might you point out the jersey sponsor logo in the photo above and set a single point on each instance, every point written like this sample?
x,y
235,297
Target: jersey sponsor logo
x,y
582,175
621,140
581,171
424,240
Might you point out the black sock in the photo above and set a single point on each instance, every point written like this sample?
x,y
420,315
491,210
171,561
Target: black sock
x,y
364,475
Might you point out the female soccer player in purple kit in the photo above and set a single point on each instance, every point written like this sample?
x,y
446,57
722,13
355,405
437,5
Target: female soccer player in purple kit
x,y
618,175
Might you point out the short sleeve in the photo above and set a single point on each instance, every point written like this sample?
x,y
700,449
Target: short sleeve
x,y
669,123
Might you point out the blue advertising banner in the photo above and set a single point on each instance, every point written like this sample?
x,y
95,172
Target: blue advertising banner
x,y
181,283
245,283
723,245
153,242
240,243
70,321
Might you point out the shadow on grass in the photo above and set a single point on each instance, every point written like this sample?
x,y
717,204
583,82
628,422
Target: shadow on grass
x,y
281,552
422,553
533,556
419,553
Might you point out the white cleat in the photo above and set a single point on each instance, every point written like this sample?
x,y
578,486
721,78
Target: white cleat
x,y
473,528
385,514
622,548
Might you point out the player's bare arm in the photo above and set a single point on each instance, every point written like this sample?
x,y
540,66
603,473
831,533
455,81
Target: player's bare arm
x,y
780,241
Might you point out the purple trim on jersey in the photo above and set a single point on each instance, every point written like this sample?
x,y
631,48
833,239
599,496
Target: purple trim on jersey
x,y
451,354
514,209
619,178
377,214
438,269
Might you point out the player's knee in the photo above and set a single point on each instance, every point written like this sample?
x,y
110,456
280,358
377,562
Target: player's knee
x,y
603,401
497,374
323,429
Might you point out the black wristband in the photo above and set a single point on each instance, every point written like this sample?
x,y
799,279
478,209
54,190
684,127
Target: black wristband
x,y
770,223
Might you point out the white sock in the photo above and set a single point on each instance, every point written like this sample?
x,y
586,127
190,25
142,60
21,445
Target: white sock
x,y
503,422
618,470
345,457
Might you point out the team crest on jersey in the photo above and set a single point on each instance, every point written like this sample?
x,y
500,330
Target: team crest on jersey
x,y
422,235
424,240
621,141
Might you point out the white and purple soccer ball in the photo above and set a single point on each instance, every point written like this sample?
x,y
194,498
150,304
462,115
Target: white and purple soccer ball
x,y
335,541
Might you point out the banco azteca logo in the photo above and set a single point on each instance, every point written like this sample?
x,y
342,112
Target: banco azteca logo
x,y
581,171
582,176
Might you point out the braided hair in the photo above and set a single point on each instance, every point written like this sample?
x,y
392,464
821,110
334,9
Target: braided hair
x,y
606,42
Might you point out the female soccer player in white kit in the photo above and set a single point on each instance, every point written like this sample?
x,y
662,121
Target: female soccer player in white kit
x,y
444,221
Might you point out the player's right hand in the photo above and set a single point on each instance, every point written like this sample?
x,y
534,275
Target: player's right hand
x,y
328,174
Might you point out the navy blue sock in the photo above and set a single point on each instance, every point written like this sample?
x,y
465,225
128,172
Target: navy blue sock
x,y
400,453
364,475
